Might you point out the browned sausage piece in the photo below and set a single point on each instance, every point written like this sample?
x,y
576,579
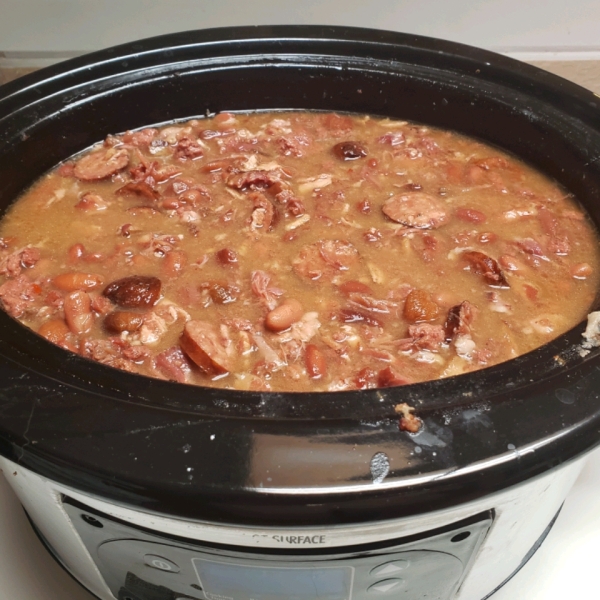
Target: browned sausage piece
x,y
123,320
136,291
418,210
459,320
487,267
101,164
202,343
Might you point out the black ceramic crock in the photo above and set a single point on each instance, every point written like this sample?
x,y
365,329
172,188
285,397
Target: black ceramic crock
x,y
282,459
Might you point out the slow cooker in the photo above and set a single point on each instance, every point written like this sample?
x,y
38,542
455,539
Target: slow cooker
x,y
150,490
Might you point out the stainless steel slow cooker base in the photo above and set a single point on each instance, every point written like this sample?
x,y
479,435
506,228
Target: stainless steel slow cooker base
x,y
120,552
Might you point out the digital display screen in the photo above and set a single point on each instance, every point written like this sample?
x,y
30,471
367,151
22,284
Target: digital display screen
x,y
227,581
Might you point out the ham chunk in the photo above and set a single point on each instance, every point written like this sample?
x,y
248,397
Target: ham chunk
x,y
173,364
423,336
17,295
13,264
323,259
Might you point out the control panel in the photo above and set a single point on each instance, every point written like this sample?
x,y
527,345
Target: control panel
x,y
141,565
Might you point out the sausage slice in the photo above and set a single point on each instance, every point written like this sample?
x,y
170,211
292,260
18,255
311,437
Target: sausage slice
x,y
418,210
101,164
202,342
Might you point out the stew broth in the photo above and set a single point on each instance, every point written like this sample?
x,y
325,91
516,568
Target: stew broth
x,y
297,252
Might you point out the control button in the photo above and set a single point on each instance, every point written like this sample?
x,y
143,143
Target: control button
x,y
163,564
387,585
389,568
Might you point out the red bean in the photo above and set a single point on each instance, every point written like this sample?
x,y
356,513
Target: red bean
x,y
55,330
74,280
222,292
174,262
349,150
581,271
78,312
227,257
75,252
471,215
284,316
364,206
316,365
122,320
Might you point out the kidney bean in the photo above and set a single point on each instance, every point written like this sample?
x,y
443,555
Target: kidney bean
x,y
227,257
284,316
75,280
174,262
122,320
316,365
136,291
349,150
78,312
487,237
581,270
223,292
419,307
225,119
510,263
75,252
365,379
55,330
364,206
471,215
